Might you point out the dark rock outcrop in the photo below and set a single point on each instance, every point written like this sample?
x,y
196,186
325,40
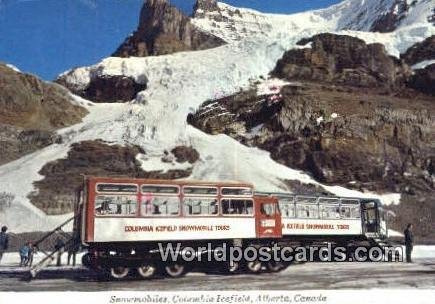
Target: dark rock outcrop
x,y
30,111
55,192
419,52
423,80
389,21
203,6
163,29
28,102
342,60
360,138
107,88
16,142
185,154
112,89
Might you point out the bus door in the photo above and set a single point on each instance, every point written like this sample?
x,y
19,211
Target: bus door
x,y
370,217
267,217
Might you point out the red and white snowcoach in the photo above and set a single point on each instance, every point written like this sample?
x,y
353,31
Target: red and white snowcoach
x,y
122,221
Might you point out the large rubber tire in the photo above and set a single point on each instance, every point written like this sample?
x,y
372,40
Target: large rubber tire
x,y
175,270
119,272
147,271
234,268
254,266
87,260
273,266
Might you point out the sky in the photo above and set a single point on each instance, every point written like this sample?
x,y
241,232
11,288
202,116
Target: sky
x,y
48,37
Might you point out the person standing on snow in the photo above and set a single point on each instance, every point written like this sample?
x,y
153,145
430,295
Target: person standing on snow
x,y
24,254
409,242
4,241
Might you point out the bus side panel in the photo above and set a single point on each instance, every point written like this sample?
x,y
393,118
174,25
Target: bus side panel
x,y
90,206
292,226
122,229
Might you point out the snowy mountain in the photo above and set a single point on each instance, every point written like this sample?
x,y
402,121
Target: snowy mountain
x,y
232,24
150,119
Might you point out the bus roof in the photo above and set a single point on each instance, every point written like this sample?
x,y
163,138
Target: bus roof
x,y
169,182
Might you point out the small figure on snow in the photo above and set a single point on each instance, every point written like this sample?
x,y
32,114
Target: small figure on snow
x,y
24,254
4,241
409,242
60,248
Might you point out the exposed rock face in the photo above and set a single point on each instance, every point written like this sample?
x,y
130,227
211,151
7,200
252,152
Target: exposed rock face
x,y
163,29
16,142
388,22
419,52
104,88
185,154
113,89
27,102
30,111
203,6
423,80
343,60
55,192
358,138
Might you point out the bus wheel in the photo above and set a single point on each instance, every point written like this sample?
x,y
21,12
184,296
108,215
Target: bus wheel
x,y
119,272
147,271
175,270
274,266
254,266
233,267
86,260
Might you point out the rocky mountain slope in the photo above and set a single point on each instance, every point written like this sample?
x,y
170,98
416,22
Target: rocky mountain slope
x,y
30,112
163,29
344,119
348,116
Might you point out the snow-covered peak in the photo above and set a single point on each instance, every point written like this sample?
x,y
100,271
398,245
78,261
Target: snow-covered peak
x,y
232,23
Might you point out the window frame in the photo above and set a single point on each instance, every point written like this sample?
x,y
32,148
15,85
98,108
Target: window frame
x,y
217,214
236,215
355,204
115,214
199,195
142,204
222,188
108,192
308,204
291,202
161,185
158,194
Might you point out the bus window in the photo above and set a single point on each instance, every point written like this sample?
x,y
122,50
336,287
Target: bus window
x,y
329,211
159,189
345,212
267,209
190,190
160,206
233,191
237,207
287,207
371,215
355,212
116,188
200,206
302,211
307,211
115,205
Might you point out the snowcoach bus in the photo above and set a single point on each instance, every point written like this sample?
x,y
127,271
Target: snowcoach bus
x,y
123,221
343,221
